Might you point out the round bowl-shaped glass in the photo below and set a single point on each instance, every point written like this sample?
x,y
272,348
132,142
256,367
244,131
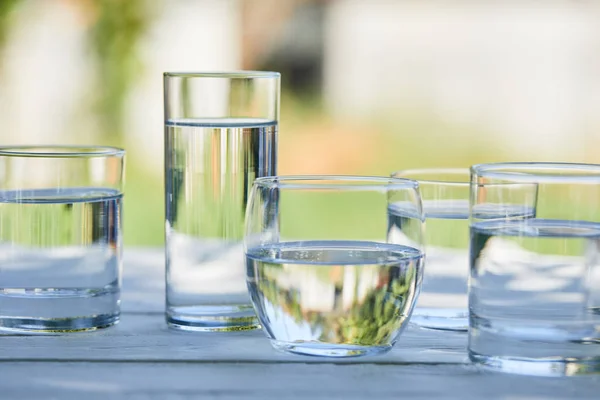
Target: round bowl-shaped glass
x,y
332,268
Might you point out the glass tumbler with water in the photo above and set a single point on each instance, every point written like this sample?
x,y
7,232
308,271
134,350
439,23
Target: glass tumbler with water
x,y
534,291
60,238
445,193
326,275
220,135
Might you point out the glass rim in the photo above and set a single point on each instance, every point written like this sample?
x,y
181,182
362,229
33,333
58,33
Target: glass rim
x,y
239,74
406,174
547,172
60,151
341,182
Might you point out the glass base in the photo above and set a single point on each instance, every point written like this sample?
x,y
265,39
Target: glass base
x,y
28,325
445,319
552,367
329,350
213,318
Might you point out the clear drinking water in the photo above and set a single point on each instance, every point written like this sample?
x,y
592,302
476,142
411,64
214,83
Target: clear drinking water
x,y
530,290
443,299
210,167
312,295
60,258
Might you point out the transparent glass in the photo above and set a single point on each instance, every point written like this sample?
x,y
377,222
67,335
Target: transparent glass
x,y
330,273
443,300
534,290
220,135
60,238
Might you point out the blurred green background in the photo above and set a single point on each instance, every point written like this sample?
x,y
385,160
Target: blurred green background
x,y
368,87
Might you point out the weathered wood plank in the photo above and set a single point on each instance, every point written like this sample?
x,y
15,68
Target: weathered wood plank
x,y
143,280
141,359
146,337
291,381
142,333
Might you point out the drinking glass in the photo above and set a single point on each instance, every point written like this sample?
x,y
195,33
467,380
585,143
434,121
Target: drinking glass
x,y
328,274
443,299
535,268
220,135
60,238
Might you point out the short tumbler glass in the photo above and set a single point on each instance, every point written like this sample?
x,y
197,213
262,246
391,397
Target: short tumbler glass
x,y
220,135
443,299
329,273
60,238
535,268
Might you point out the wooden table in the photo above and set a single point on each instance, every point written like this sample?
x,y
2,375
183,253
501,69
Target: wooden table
x,y
141,359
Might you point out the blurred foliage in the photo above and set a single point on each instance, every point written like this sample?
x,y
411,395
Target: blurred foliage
x,y
143,207
333,215
114,35
312,140
6,10
116,30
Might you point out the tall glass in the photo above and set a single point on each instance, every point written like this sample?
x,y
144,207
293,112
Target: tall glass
x,y
220,135
329,273
60,237
535,268
443,300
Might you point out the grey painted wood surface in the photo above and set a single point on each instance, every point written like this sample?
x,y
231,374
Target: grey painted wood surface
x,y
274,381
141,359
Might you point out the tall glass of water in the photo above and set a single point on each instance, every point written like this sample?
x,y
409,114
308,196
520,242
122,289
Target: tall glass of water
x,y
445,193
60,238
327,274
535,268
220,135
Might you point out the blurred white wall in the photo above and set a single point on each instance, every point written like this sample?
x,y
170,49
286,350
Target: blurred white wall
x,y
191,35
43,76
48,72
524,71
519,70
